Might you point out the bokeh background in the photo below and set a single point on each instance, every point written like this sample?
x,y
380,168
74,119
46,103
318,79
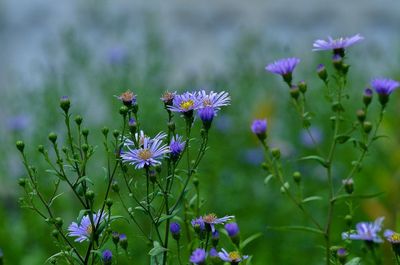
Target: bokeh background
x,y
93,50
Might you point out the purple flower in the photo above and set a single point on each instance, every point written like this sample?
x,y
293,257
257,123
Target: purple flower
x,y
84,230
366,231
206,115
198,224
127,98
211,220
148,154
213,99
123,241
233,257
168,98
106,257
176,146
259,128
198,256
392,236
232,229
283,67
213,253
215,235
175,228
337,45
185,103
384,86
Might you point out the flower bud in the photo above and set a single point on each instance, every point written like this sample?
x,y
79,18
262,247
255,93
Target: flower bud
x,y
20,146
175,229
321,71
89,195
53,137
54,233
85,148
115,238
41,149
195,182
342,254
78,120
115,186
132,125
104,131
85,132
348,219
109,202
123,241
22,182
106,257
294,92
337,61
348,185
276,153
123,110
115,133
367,97
297,177
206,115
58,222
361,115
233,232
302,86
65,104
367,126
259,128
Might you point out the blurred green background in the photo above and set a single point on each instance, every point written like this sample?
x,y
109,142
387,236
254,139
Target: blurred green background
x,y
93,50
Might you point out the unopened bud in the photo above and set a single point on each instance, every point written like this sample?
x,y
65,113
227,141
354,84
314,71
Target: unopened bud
x,y
294,92
276,153
302,86
297,177
65,104
361,115
78,120
348,185
367,126
123,110
53,137
20,146
115,186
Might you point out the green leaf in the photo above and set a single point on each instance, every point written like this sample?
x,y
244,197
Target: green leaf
x,y
312,198
166,217
315,158
357,196
54,198
297,227
116,217
341,139
268,178
249,240
157,249
354,261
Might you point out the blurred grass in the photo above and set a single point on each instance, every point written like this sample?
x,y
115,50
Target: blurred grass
x,y
231,179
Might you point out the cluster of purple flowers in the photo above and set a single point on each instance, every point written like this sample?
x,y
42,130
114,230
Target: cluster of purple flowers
x,y
199,256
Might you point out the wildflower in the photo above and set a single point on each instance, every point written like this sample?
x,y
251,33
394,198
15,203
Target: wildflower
x,y
107,257
168,98
233,232
185,103
394,240
176,146
367,97
321,71
198,256
198,224
84,230
65,103
384,87
123,241
175,229
337,45
127,98
213,99
115,237
148,154
211,220
342,254
206,115
366,231
233,257
284,67
348,185
259,128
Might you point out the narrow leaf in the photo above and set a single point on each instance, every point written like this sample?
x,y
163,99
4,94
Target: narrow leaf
x,y
296,227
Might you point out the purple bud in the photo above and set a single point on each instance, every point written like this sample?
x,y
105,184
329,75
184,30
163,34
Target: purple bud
x,y
175,229
198,256
107,257
259,128
206,115
232,229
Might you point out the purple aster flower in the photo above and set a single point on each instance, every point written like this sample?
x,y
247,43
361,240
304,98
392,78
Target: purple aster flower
x,y
259,128
198,256
149,154
175,229
392,236
337,45
384,87
127,98
106,257
206,115
233,257
84,230
284,67
198,224
322,73
211,220
213,99
366,231
176,146
367,97
168,98
213,253
185,103
123,241
232,229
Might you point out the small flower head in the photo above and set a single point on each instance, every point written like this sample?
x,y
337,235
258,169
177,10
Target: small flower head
x,y
213,99
322,73
106,257
384,87
198,256
65,103
128,98
168,98
284,67
232,229
206,115
233,257
211,220
185,103
198,224
176,147
341,255
123,241
84,230
115,237
394,239
367,97
366,231
175,229
337,45
348,185
149,154
259,128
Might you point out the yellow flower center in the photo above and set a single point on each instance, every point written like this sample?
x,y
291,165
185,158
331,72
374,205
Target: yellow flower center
x,y
234,255
89,229
186,105
395,237
145,154
210,218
